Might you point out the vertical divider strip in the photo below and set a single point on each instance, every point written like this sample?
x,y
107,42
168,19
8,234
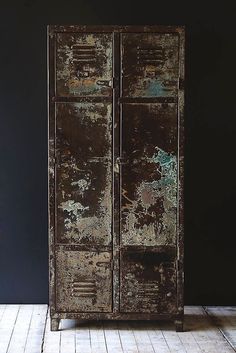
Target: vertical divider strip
x,y
116,174
180,220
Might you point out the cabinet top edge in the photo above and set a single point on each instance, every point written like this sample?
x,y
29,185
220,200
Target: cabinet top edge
x,y
116,28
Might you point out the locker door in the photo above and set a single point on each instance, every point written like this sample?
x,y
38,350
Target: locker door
x,y
83,64
149,65
83,172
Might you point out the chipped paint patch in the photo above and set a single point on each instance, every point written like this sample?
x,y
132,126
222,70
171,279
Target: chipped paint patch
x,y
150,219
82,184
150,65
73,207
84,281
148,282
84,173
167,185
84,64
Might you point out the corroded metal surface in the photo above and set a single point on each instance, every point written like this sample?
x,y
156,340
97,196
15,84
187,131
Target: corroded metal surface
x,y
83,173
149,174
148,281
84,64
116,172
150,65
84,281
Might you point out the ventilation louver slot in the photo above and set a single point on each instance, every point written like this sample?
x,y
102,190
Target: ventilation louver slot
x,y
151,56
84,289
147,291
84,53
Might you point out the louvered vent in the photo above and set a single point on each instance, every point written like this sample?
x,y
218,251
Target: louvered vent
x,y
84,289
150,56
148,291
84,53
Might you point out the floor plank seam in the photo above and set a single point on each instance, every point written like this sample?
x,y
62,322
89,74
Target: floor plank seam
x,y
12,331
29,328
212,320
44,330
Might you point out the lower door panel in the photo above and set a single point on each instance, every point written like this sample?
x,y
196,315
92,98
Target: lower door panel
x,y
148,281
83,281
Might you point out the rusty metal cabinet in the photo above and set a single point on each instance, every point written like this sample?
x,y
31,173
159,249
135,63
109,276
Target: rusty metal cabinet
x,y
116,172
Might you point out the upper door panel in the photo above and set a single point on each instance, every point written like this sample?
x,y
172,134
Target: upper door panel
x,y
149,64
83,64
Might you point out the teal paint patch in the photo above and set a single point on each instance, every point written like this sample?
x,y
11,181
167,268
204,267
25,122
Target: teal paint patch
x,y
154,89
162,157
167,166
85,90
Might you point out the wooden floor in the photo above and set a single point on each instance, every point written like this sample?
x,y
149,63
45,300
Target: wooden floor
x,y
25,329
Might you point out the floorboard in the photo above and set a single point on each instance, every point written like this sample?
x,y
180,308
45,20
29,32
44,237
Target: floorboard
x,y
7,325
225,319
26,329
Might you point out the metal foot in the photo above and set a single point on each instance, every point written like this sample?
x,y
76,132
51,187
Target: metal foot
x,y
179,325
55,324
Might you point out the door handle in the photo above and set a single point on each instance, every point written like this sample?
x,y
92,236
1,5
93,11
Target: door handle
x,y
107,83
117,164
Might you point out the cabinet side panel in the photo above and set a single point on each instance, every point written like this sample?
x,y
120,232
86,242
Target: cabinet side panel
x,y
51,164
180,221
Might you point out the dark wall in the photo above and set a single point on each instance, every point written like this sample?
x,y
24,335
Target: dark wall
x,y
210,139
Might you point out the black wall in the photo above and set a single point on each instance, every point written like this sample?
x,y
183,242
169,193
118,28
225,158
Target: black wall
x,y
210,139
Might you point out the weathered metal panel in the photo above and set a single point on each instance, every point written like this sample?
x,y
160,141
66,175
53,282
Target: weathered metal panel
x,y
149,174
148,281
84,281
84,173
84,64
116,172
150,64
180,210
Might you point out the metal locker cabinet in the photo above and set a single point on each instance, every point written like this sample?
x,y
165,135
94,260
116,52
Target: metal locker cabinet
x,y
115,103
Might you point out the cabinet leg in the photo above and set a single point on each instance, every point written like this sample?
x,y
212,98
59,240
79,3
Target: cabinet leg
x,y
179,325
55,324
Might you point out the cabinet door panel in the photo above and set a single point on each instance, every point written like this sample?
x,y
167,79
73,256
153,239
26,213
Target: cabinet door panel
x,y
83,173
148,282
84,64
149,174
150,64
83,281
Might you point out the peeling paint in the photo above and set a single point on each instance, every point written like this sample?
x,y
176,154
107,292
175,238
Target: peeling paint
x,y
149,180
148,282
82,184
73,207
79,286
84,64
150,65
84,173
